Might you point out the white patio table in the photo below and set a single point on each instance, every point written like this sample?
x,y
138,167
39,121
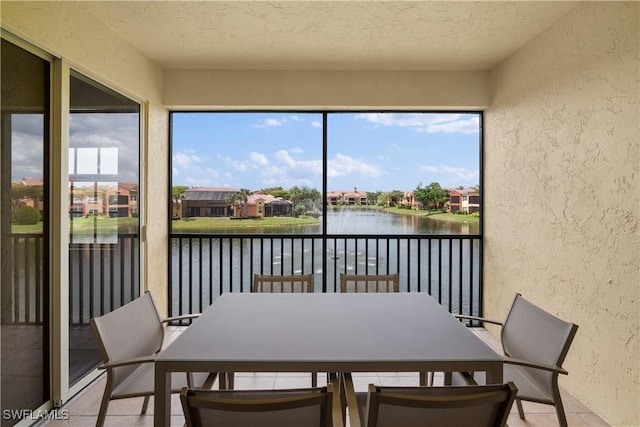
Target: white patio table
x,y
322,332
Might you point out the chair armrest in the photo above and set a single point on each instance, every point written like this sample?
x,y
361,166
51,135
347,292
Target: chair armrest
x,y
183,317
529,364
480,319
352,401
126,362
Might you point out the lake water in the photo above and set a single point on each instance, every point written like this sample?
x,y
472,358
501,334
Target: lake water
x,y
357,221
363,221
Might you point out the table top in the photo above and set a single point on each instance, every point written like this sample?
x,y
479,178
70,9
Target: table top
x,y
324,331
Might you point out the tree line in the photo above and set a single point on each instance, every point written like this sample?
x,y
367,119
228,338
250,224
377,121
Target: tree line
x,y
306,199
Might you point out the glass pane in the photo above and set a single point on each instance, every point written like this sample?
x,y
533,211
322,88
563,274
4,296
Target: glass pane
x,y
246,172
104,268
394,173
25,286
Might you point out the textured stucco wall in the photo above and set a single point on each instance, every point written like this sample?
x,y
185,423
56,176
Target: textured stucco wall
x,y
561,188
66,30
326,89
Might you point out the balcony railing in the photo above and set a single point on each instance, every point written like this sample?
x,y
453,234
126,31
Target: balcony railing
x,y
204,266
23,299
103,277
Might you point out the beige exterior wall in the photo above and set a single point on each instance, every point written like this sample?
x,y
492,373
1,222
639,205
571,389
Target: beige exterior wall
x,y
326,89
561,189
65,30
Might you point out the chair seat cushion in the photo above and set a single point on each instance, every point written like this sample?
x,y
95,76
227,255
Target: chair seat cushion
x,y
141,382
527,389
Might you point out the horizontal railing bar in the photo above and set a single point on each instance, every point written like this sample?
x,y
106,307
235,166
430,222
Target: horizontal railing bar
x,y
329,236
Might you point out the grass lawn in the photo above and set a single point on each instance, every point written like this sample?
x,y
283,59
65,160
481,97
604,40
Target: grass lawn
x,y
101,225
27,229
434,215
198,224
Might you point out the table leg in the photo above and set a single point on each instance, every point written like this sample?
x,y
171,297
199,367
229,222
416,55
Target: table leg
x,y
494,375
162,397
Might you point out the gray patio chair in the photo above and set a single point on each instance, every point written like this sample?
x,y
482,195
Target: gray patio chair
x,y
262,408
369,282
130,338
295,283
468,406
535,344
363,283
292,283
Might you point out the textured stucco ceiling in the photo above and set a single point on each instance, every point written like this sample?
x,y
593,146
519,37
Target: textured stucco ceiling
x,y
341,35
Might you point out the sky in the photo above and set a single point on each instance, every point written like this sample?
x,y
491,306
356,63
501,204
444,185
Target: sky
x,y
100,143
365,151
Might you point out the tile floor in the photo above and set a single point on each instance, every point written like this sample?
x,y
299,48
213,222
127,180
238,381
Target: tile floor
x,y
83,409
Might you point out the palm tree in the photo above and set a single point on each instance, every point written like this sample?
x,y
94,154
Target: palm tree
x,y
243,196
233,200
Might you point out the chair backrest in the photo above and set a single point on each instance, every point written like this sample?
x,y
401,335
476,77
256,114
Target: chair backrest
x,y
469,406
532,334
261,408
133,330
283,284
369,282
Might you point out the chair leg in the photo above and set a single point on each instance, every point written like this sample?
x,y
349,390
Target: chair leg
x,y
230,380
314,379
225,381
424,376
145,404
562,418
520,410
222,381
104,405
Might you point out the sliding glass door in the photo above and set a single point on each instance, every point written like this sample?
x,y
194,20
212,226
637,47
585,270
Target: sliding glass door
x,y
104,257
25,326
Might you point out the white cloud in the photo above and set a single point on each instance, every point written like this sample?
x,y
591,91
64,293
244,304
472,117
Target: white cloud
x,y
270,123
316,124
432,169
258,159
425,122
186,160
285,158
298,167
343,165
461,173
470,125
273,122
235,164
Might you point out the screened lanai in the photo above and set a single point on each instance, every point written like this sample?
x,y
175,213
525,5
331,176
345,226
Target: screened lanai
x,y
556,84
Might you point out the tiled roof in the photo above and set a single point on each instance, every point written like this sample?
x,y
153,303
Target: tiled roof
x,y
209,193
268,199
